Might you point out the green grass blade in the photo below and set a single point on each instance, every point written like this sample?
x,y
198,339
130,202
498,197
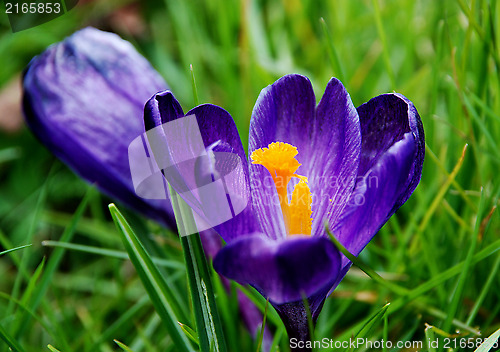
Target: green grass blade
x,y
260,303
10,341
426,306
429,152
208,326
485,130
32,284
442,192
52,348
371,322
383,40
228,309
332,53
145,334
112,253
457,294
263,327
484,292
102,232
193,336
15,249
53,263
152,280
121,321
193,83
486,109
31,232
429,337
443,276
48,329
366,327
123,346
386,331
365,268
491,342
277,338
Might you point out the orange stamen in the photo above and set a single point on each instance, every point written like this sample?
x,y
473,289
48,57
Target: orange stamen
x,y
300,209
279,160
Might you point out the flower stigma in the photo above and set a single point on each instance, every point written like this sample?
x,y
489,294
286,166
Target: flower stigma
x,y
279,159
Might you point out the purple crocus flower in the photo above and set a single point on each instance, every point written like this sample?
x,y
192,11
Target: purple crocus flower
x,y
308,164
84,100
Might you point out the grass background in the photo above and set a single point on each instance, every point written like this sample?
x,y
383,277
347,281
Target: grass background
x,y
441,248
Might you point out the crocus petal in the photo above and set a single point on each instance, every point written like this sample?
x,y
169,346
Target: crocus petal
x,y
215,123
213,131
281,270
283,111
222,165
391,129
417,129
83,98
392,155
220,133
160,109
384,121
333,163
328,140
376,195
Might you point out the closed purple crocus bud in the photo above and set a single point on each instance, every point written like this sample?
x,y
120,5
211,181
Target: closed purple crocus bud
x,y
308,165
84,99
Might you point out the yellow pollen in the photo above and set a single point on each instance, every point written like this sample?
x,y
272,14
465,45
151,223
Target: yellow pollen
x,y
279,159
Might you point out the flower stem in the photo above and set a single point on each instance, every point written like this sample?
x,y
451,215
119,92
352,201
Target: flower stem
x,y
295,317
